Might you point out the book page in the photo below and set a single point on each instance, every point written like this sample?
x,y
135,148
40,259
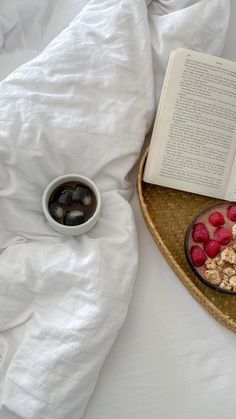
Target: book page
x,y
193,146
153,147
231,188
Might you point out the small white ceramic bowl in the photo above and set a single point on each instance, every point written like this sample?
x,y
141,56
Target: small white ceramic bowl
x,y
80,228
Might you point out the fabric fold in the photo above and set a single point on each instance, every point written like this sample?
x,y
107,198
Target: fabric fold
x,y
84,104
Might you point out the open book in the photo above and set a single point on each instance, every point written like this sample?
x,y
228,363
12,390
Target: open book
x,y
193,145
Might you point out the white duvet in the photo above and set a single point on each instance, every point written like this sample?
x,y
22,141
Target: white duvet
x,y
83,104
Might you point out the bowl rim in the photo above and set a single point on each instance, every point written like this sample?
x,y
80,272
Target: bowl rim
x,y
60,180
186,248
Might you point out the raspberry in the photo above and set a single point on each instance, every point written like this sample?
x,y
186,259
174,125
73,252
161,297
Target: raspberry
x,y
197,255
212,248
223,235
216,219
231,213
200,233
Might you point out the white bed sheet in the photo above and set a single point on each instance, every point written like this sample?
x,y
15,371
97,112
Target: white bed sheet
x,y
171,359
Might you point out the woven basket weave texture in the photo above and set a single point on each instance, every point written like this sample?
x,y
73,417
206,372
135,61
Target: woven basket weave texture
x,y
167,213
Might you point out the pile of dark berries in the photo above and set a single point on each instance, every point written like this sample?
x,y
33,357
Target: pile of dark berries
x,y
72,204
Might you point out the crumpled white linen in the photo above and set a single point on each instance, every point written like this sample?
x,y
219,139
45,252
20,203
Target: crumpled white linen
x,y
199,25
83,105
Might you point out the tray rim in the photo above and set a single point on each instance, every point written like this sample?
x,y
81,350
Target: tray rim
x,y
219,315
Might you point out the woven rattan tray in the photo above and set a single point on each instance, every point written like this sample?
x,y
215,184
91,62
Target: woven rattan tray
x,y
158,205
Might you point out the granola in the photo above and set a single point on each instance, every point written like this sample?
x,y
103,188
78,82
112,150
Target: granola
x,y
221,270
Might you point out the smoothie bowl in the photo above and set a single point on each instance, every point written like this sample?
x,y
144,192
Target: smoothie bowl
x,y
210,247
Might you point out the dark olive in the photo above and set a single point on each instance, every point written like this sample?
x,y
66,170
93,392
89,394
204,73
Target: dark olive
x,y
64,196
74,217
56,210
82,194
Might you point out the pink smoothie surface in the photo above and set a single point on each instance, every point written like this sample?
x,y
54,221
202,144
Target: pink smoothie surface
x,y
222,208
